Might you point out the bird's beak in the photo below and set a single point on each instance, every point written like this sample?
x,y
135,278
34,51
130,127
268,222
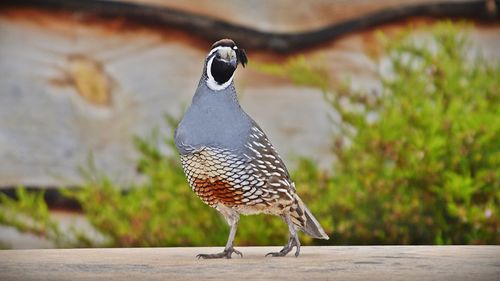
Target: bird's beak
x,y
233,61
234,56
230,57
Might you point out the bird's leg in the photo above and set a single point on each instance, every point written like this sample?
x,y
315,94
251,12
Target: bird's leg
x,y
293,241
228,250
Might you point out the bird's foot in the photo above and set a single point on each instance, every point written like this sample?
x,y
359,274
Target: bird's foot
x,y
293,242
225,254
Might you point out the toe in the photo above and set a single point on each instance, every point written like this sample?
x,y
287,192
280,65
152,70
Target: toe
x,y
201,256
238,253
275,254
229,252
212,256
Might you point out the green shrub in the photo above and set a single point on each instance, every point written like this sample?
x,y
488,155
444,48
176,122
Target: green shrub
x,y
427,169
417,163
162,211
29,213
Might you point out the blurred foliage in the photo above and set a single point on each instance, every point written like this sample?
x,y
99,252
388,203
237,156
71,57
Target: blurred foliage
x,y
300,70
417,163
161,211
29,213
426,168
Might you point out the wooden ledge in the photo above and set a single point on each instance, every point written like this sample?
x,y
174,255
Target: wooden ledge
x,y
315,263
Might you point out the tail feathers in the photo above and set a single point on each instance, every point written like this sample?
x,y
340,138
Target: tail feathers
x,y
307,222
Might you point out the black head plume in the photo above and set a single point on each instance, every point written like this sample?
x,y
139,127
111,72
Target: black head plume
x,y
242,56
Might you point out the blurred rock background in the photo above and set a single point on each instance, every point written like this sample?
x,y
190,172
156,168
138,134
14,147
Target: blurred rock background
x,y
74,82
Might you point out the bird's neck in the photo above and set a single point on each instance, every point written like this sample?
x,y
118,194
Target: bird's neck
x,y
222,99
214,118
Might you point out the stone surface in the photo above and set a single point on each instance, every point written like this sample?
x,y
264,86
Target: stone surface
x,y
70,87
315,263
280,16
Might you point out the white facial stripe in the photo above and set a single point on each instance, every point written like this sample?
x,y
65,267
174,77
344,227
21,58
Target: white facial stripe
x,y
211,83
218,48
213,51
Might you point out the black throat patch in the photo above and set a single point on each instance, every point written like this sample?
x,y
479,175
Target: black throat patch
x,y
221,71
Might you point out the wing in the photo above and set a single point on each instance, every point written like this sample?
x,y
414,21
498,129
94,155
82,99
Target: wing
x,y
267,165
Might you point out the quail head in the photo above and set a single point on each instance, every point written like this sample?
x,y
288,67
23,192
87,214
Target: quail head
x,y
228,160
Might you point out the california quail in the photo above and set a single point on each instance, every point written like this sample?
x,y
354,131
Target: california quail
x,y
228,160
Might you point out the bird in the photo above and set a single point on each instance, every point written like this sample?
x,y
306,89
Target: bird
x,y
229,161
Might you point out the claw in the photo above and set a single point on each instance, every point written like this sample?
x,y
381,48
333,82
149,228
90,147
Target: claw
x,y
238,253
276,254
292,242
225,254
283,253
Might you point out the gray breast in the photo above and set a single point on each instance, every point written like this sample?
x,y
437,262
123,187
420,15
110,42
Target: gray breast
x,y
214,119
